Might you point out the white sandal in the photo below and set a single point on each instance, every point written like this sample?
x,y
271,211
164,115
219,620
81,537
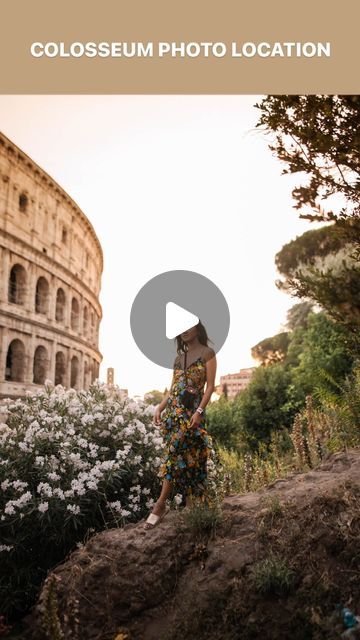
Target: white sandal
x,y
153,519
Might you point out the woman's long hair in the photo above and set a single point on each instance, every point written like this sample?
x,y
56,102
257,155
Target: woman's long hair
x,y
202,337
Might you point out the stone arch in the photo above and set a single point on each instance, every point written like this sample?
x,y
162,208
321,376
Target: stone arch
x,y
75,311
42,295
86,374
74,372
94,371
15,361
60,368
40,365
17,284
23,202
64,235
85,321
92,332
60,305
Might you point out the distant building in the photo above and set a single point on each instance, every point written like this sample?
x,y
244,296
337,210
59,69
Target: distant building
x,y
110,376
233,383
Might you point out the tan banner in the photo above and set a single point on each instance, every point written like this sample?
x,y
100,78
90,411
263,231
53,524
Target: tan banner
x,y
187,47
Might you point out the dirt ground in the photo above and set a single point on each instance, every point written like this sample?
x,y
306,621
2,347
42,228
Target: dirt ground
x,y
275,567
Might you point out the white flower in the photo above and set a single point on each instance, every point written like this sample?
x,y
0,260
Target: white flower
x,y
78,486
43,506
178,498
107,464
19,484
5,484
133,406
53,476
125,513
9,509
26,497
115,505
93,450
45,489
54,461
74,508
5,547
59,493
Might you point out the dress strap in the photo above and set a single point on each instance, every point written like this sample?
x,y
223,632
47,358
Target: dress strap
x,y
185,367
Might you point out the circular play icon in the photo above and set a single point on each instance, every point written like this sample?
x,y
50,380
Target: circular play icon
x,y
171,303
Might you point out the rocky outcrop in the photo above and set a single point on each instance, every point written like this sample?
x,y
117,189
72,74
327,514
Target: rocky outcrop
x,y
169,582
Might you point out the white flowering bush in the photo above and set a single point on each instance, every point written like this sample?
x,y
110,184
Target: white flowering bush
x,y
71,463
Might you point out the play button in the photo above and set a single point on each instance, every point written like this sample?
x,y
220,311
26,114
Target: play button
x,y
178,320
171,303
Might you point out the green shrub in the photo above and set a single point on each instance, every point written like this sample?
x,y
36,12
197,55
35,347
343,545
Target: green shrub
x,y
72,463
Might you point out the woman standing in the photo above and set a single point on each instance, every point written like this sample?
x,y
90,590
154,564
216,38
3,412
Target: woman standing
x,y
181,415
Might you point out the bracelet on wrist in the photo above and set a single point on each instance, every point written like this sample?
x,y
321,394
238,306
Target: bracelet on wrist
x,y
200,410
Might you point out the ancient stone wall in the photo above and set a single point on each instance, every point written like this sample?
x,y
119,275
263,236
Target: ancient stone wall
x,y
51,263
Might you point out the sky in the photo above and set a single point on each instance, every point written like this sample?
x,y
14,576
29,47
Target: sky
x,y
169,182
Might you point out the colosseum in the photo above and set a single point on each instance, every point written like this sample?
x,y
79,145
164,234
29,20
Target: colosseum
x,y
51,266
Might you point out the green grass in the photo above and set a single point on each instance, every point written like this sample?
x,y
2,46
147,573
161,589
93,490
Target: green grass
x,y
272,576
203,519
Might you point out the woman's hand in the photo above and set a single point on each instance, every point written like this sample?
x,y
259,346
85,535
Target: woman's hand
x,y
157,416
195,420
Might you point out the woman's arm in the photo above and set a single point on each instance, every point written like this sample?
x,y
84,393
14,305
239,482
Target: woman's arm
x,y
210,386
163,402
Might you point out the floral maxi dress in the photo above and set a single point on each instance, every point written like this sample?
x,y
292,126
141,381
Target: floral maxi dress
x,y
187,449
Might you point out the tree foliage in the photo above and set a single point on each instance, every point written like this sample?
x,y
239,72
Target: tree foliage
x,y
317,360
319,136
263,406
319,265
297,316
308,248
153,397
272,349
317,353
221,424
